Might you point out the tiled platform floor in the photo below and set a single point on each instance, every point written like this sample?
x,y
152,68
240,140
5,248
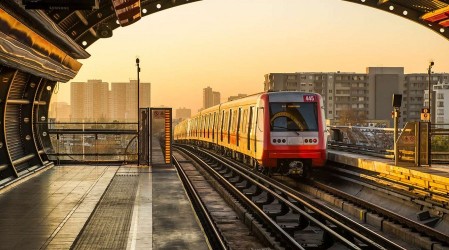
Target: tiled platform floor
x,y
48,211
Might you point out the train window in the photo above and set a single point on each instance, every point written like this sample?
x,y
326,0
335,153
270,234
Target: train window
x,y
211,124
204,126
239,122
245,119
208,125
234,121
225,121
293,116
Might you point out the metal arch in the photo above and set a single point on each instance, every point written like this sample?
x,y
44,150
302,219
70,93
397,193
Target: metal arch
x,y
29,140
6,168
81,32
8,78
83,29
40,118
410,9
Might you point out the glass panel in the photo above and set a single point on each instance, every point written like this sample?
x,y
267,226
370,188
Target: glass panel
x,y
293,116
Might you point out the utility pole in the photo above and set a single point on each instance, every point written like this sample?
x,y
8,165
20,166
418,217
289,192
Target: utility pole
x,y
429,71
138,111
429,129
397,101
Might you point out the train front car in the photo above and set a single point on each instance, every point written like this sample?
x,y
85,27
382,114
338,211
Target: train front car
x,y
295,128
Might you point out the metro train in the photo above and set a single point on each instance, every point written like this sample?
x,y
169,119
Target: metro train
x,y
281,132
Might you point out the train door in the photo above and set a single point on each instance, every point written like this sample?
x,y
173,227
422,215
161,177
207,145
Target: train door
x,y
244,128
238,126
250,125
222,124
213,127
229,125
259,128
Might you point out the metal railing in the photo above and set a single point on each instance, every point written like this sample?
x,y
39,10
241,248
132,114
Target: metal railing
x,y
117,142
92,142
379,142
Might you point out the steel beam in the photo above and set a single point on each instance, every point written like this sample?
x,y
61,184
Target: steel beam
x,y
40,118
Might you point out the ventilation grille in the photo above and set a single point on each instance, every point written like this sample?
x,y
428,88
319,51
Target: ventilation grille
x,y
13,117
18,86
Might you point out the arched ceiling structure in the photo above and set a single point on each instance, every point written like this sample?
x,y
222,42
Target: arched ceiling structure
x,y
40,47
81,26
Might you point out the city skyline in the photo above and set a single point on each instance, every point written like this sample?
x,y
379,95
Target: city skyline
x,y
230,46
99,101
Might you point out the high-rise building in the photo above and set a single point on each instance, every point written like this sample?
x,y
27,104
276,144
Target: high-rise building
x,y
364,94
440,102
210,98
60,111
383,82
124,100
235,97
416,85
183,113
93,102
89,101
216,98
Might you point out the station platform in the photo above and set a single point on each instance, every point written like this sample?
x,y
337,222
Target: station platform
x,y
99,207
434,177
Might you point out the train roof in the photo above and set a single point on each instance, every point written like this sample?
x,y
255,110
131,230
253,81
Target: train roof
x,y
251,98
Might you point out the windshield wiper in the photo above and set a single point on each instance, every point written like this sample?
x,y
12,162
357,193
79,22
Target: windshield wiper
x,y
274,126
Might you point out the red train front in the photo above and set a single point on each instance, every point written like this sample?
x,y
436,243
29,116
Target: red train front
x,y
294,128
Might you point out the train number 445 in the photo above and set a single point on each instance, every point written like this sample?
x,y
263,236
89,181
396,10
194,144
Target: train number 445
x,y
309,98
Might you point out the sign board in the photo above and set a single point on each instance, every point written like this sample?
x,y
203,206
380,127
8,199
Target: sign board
x,y
425,114
159,114
161,136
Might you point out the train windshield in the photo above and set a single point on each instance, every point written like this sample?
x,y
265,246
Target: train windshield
x,y
293,116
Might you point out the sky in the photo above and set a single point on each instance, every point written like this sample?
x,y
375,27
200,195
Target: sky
x,y
230,45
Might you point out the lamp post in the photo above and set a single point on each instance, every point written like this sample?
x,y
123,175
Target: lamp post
x,y
429,129
429,71
138,111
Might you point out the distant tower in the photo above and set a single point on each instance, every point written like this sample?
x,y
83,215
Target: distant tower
x,y
208,98
441,104
124,99
89,100
216,97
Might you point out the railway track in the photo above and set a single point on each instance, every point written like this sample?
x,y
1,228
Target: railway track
x,y
220,223
392,207
295,221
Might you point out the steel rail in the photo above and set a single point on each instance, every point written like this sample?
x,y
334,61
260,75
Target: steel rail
x,y
214,237
287,238
320,224
385,243
426,230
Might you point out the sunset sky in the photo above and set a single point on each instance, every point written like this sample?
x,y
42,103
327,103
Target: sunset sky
x,y
230,44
